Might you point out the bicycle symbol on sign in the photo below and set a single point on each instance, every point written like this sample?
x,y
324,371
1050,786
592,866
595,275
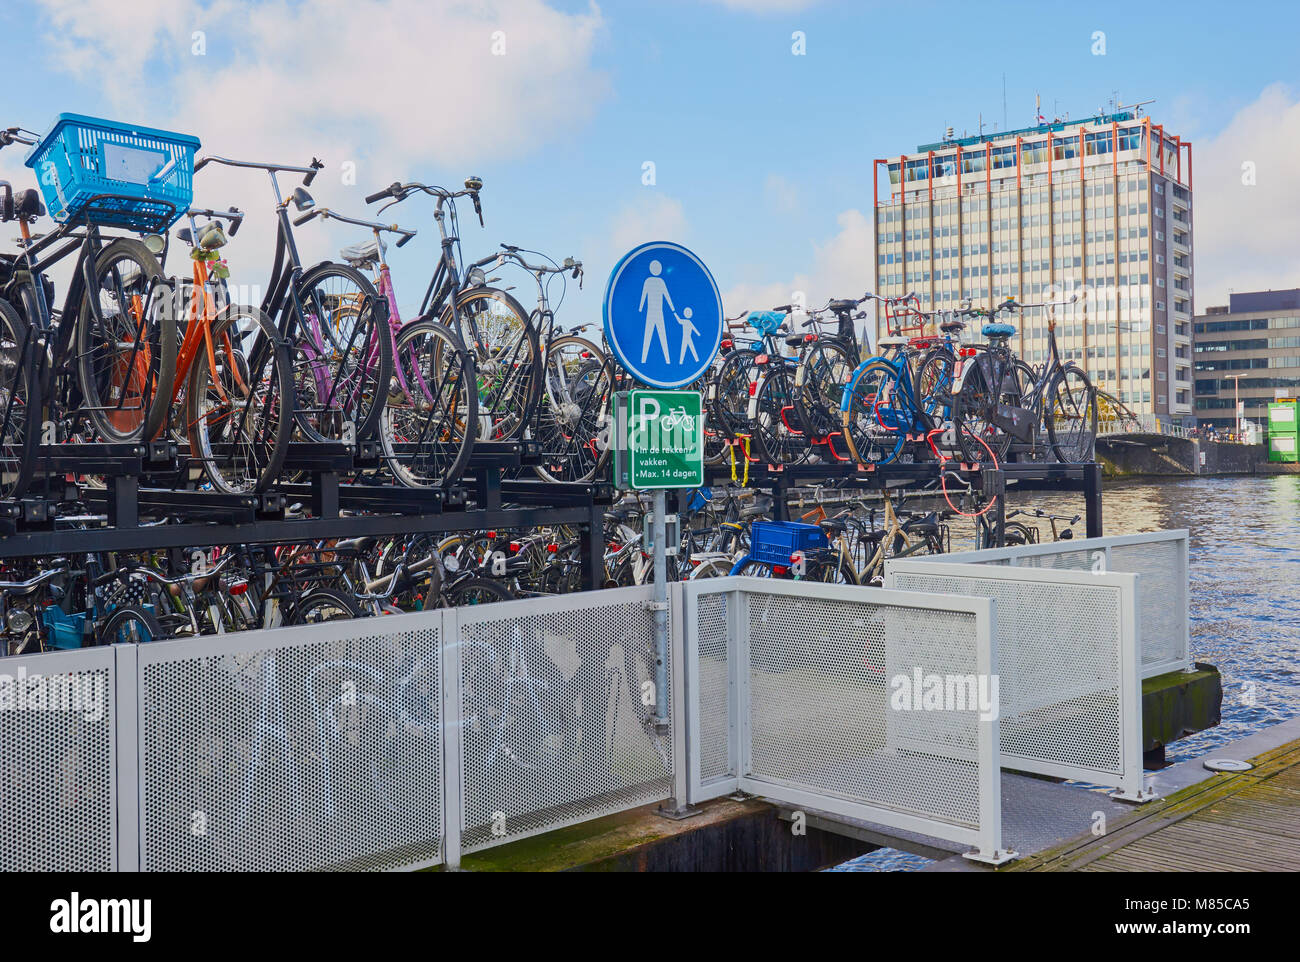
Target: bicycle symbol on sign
x,y
677,417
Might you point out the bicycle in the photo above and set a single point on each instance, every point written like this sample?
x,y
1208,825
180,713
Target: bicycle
x,y
493,326
431,416
237,416
991,408
108,356
329,316
577,380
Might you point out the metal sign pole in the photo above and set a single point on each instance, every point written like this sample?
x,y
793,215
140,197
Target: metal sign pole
x,y
660,535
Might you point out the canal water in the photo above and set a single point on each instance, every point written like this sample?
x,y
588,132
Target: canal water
x,y
1245,573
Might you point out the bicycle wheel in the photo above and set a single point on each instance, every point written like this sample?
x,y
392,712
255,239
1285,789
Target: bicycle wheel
x,y
574,411
776,429
342,357
476,591
507,359
728,393
838,570
988,381
19,405
320,605
129,624
819,383
431,418
1072,416
239,412
877,415
126,356
934,381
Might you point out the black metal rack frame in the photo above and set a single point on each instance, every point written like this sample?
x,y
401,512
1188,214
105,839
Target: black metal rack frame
x,y
992,483
139,483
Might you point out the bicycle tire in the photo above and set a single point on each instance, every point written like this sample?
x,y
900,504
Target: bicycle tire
x,y
270,369
322,601
728,393
571,422
820,379
317,380
976,403
20,399
438,432
870,439
129,624
507,401
771,410
1080,450
485,590
140,354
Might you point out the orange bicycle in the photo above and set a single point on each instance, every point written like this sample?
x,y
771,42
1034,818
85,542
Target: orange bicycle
x,y
234,409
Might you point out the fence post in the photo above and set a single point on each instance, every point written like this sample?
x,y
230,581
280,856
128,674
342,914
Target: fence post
x,y
1130,695
127,777
678,807
453,746
990,850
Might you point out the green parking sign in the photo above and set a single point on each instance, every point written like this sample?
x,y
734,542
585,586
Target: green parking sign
x,y
658,440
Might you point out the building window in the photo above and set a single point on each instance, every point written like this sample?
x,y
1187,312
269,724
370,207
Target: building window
x,y
1160,399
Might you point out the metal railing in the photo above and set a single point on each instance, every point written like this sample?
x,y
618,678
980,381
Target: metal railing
x,y
1067,642
1159,558
793,695
1143,424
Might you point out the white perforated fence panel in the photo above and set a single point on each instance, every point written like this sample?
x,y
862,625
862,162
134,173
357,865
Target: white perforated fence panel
x,y
554,725
813,666
714,738
316,747
1160,560
58,808
1163,601
1067,664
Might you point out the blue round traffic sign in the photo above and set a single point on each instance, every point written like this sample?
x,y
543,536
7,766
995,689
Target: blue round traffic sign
x,y
663,315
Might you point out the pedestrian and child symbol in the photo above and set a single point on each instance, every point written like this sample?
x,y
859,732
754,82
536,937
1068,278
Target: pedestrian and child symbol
x,y
654,295
663,315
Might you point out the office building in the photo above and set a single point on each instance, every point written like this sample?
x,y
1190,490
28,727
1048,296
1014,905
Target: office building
x,y
1100,208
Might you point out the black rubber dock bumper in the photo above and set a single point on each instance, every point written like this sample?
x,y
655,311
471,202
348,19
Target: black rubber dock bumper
x,y
1176,705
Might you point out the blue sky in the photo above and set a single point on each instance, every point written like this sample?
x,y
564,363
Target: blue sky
x,y
762,158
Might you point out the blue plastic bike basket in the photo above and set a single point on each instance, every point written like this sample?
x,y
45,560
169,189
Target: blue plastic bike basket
x,y
114,175
773,542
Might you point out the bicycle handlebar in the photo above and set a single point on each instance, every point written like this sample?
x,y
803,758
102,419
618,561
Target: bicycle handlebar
x,y
13,135
328,214
310,171
234,215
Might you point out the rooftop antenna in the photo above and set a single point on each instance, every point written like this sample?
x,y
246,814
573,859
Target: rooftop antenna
x,y
1136,107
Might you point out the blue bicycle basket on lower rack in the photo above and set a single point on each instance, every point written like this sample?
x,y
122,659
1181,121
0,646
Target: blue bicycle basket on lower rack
x,y
113,174
773,542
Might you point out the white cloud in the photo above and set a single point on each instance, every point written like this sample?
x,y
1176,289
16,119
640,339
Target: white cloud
x,y
1244,237
841,266
766,6
652,217
780,194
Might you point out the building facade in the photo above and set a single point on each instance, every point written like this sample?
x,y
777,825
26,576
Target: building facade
x,y
1100,208
1247,352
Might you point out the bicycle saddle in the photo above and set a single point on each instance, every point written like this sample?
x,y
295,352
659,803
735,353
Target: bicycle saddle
x,y
842,306
893,340
359,255
998,329
949,326
794,340
21,205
